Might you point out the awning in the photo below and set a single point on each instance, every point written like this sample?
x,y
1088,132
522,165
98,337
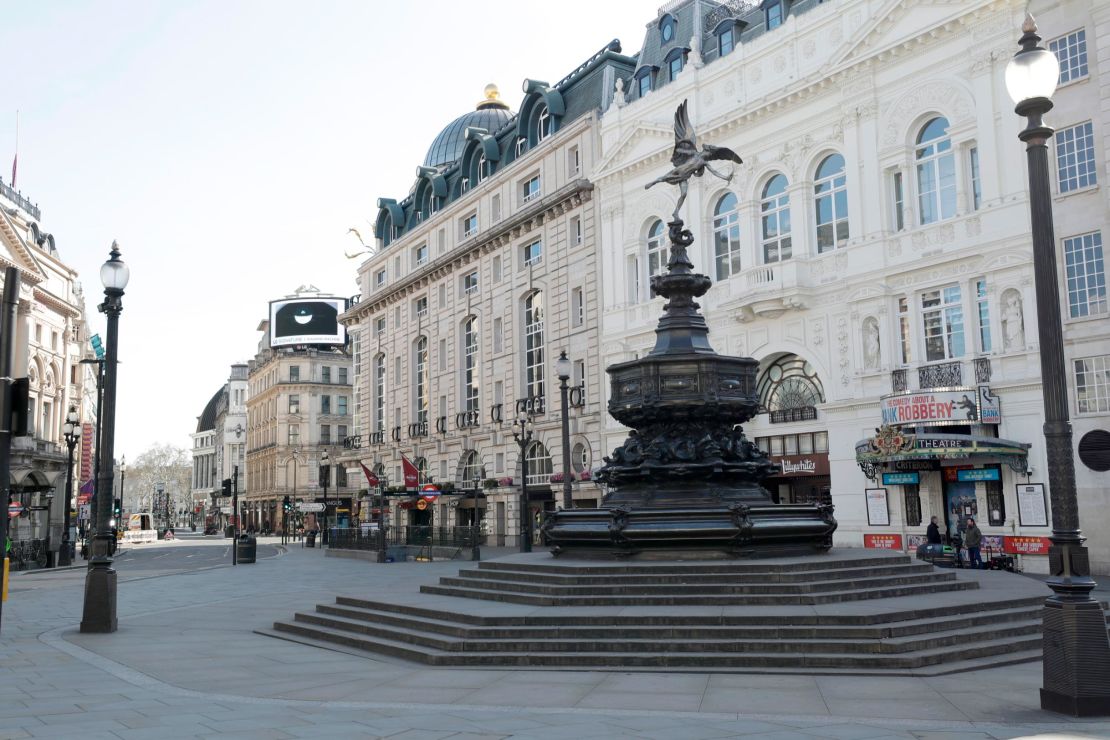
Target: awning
x,y
890,445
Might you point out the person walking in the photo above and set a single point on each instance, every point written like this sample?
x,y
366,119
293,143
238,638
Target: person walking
x,y
932,532
973,538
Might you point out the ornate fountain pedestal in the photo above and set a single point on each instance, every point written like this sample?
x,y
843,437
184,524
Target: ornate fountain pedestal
x,y
687,482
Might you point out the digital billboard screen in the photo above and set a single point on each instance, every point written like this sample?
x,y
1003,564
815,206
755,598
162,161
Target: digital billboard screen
x,y
306,321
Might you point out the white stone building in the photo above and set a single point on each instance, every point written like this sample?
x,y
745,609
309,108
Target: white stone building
x,y
876,239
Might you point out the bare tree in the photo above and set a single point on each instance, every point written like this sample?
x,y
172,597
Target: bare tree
x,y
161,466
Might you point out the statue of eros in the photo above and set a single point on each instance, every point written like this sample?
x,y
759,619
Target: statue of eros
x,y
688,161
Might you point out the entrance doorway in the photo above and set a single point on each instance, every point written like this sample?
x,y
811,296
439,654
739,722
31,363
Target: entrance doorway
x,y
959,504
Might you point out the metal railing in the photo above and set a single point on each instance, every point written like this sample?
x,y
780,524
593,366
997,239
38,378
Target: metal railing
x,y
16,197
350,538
942,375
781,416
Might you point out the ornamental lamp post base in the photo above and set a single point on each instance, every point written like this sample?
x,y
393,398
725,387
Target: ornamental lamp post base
x,y
100,599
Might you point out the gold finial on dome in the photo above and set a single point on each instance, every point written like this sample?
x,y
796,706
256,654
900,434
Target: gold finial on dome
x,y
492,99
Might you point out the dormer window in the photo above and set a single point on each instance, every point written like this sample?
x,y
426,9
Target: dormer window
x,y
643,82
543,130
726,41
483,168
521,143
667,28
465,184
775,13
675,61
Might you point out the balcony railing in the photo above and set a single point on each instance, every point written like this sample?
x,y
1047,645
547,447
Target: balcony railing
x,y
418,429
353,442
495,413
467,419
576,396
396,435
532,405
378,437
782,416
441,424
16,197
942,375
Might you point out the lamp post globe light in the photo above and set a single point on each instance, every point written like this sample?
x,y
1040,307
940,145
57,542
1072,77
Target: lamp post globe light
x,y
325,475
71,433
523,437
1076,649
99,613
563,369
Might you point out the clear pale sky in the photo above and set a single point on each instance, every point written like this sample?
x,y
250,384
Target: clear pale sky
x,y
229,145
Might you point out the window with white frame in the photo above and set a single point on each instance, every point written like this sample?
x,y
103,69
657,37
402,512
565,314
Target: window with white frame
x,y
898,195
942,319
468,226
420,380
577,307
575,231
379,325
379,278
419,255
379,393
483,167
1092,384
543,126
936,172
726,236
656,251
775,220
643,83
470,283
533,346
533,253
539,465
471,468
470,364
983,315
1071,52
530,189
633,278
1086,275
726,41
1075,158
904,330
420,307
521,145
574,165
976,184
341,405
774,14
294,404
294,434
830,190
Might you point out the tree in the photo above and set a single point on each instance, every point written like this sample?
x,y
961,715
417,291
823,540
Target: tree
x,y
166,466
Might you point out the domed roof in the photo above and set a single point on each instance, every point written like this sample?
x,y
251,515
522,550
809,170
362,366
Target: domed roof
x,y
207,420
491,114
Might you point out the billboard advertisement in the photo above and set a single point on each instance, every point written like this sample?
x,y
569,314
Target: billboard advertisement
x,y
306,321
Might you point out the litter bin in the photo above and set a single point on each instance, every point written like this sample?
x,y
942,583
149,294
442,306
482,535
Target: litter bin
x,y
310,539
246,548
229,531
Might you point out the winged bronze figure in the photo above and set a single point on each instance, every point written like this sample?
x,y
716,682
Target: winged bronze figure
x,y
688,161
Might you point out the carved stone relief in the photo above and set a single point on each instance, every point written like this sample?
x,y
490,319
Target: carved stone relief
x,y
871,343
1013,321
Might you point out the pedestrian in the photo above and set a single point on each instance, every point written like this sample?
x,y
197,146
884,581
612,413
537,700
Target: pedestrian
x,y
932,532
972,539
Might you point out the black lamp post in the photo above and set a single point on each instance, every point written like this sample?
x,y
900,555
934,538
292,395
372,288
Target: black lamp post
x,y
325,475
71,433
523,437
563,369
475,547
383,481
99,614
1076,649
122,498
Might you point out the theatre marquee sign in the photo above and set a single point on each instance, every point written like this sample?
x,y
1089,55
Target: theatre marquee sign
x,y
939,407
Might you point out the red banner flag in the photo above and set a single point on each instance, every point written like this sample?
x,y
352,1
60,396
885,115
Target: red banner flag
x,y
371,479
412,475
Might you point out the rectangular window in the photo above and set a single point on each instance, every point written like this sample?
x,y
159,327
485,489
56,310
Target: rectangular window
x,y
379,279
341,405
776,445
533,253
899,202
470,283
342,375
499,462
441,239
530,189
976,186
397,266
1086,275
774,15
633,279
379,325
442,355
498,392
294,404
325,374
420,307
575,231
578,375
294,434
420,255
496,268
495,208
984,315
577,307
294,373
805,444
340,472
674,67
498,338
341,433
943,321
325,404
1092,384
573,164
325,434
1075,158
725,42
468,226
644,84
1071,52
397,371
521,145
396,317
904,330
820,441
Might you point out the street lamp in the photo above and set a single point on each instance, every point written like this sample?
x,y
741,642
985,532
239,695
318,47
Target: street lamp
x,y
383,481
325,475
562,369
122,494
475,547
523,438
99,614
71,433
1076,649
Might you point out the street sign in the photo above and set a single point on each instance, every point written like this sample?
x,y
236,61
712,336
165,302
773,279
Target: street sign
x,y
429,491
226,510
84,511
309,506
14,509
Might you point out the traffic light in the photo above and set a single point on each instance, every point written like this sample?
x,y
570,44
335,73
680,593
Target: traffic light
x,y
286,505
117,507
227,486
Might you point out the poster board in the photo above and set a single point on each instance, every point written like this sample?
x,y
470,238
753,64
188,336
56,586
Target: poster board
x,y
1032,511
878,509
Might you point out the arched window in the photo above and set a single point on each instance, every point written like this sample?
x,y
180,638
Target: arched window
x,y
789,389
533,346
387,231
483,167
379,393
470,469
543,124
936,172
726,237
775,210
420,380
830,191
539,465
470,364
656,251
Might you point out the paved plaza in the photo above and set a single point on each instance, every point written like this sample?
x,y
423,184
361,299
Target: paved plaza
x,y
186,663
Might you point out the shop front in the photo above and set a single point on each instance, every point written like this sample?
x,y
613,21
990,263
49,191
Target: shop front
x,y
804,479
